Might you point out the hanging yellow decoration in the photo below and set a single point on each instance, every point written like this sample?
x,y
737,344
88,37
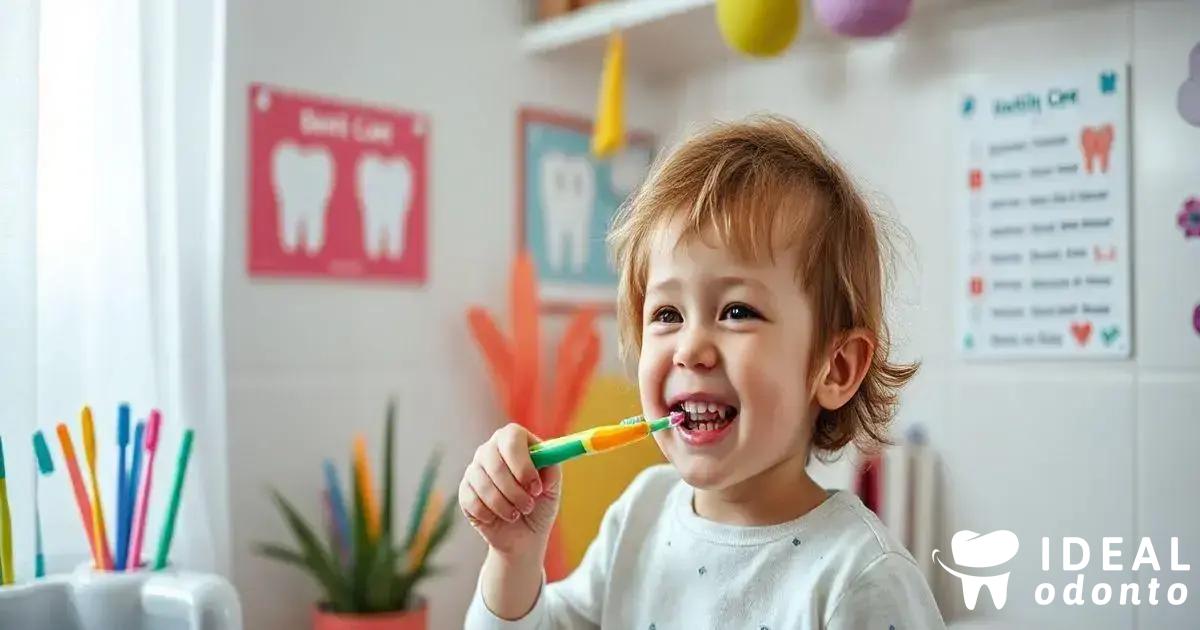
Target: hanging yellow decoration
x,y
608,134
760,28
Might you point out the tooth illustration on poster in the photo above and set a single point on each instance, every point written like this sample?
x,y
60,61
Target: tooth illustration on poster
x,y
336,189
1096,143
385,192
302,179
567,199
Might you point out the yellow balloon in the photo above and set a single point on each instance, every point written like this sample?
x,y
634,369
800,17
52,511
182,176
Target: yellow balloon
x,y
760,28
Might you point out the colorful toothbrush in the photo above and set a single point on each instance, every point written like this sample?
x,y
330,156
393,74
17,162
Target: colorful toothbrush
x,y
45,466
122,481
6,550
131,487
89,451
598,439
181,464
139,522
81,497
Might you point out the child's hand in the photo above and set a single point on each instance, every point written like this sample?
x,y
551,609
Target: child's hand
x,y
505,498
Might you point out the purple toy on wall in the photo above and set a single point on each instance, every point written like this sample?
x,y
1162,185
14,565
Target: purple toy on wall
x,y
861,18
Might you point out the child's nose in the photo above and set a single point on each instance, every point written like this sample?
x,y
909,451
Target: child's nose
x,y
695,350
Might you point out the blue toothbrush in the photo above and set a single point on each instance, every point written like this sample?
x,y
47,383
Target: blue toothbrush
x,y
122,486
131,488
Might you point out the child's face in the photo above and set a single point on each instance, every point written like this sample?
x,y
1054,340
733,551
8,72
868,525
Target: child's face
x,y
724,334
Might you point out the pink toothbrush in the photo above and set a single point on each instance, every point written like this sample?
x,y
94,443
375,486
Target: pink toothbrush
x,y
139,523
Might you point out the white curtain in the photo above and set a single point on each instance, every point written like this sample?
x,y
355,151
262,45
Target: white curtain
x,y
18,155
128,261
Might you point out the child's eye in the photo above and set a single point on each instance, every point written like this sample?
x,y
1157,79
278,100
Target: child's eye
x,y
667,315
739,311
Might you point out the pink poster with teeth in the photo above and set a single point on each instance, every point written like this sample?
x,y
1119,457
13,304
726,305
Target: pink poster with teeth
x,y
336,189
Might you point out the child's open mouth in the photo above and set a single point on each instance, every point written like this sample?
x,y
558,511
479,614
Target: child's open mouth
x,y
704,422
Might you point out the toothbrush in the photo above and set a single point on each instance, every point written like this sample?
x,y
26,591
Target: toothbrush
x,y
45,466
6,550
137,530
598,439
122,481
98,528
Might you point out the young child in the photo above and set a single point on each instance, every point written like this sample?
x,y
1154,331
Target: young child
x,y
751,274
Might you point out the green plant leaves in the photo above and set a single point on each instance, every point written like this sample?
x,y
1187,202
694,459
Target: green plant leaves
x,y
318,560
422,500
376,576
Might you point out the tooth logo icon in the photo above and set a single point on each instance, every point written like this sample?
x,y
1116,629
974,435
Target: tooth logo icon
x,y
568,194
302,179
385,187
982,551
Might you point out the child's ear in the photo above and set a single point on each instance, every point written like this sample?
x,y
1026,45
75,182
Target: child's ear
x,y
846,365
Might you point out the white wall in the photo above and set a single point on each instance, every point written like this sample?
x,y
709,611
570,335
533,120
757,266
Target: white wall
x,y
310,363
1048,448
1044,449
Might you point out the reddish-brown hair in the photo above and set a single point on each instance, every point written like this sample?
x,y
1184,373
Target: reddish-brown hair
x,y
756,184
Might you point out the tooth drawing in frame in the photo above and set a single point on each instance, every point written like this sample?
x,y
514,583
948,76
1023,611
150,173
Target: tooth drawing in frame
x,y
566,201
336,189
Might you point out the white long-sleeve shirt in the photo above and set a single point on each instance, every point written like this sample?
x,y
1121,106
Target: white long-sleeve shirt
x,y
657,565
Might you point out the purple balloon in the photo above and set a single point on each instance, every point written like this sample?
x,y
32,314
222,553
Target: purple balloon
x,y
861,18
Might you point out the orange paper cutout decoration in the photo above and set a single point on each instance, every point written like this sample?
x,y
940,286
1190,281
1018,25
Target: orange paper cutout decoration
x,y
515,370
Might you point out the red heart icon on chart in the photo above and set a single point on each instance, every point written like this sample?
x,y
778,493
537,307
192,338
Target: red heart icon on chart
x,y
1081,331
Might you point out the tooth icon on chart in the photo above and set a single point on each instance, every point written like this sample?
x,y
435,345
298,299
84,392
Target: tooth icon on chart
x,y
1097,144
385,188
302,180
982,551
568,194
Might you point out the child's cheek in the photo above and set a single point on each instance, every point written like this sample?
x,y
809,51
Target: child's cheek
x,y
653,366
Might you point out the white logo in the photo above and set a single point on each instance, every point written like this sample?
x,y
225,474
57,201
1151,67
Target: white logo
x,y
982,551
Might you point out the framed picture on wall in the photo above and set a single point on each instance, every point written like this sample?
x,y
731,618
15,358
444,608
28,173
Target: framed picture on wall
x,y
566,201
337,189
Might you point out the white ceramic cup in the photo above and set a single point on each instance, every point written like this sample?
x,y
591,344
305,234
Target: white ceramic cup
x,y
143,600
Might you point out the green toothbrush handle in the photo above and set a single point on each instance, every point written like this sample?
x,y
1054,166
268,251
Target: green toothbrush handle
x,y
557,453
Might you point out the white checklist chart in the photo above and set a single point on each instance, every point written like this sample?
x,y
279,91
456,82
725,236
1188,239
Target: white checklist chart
x,y
1042,202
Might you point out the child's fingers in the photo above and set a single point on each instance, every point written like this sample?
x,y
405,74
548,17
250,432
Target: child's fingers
x,y
472,506
514,448
491,496
495,466
551,478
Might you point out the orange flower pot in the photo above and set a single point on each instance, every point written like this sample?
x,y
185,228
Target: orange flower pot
x,y
417,619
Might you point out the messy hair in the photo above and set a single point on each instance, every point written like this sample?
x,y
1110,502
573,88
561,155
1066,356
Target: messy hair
x,y
755,184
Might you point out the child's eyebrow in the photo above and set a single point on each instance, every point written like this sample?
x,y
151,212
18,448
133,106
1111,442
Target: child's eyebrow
x,y
664,285
736,281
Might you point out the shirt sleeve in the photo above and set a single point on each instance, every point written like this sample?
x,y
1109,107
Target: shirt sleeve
x,y
891,593
576,602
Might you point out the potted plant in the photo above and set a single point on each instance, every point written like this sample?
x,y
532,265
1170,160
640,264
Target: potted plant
x,y
368,581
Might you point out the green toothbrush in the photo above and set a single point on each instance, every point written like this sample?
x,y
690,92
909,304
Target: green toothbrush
x,y
599,439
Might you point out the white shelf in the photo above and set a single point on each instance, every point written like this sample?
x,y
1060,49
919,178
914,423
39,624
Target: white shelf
x,y
661,36
598,20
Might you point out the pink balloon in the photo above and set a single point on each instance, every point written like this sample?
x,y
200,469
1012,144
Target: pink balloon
x,y
861,18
